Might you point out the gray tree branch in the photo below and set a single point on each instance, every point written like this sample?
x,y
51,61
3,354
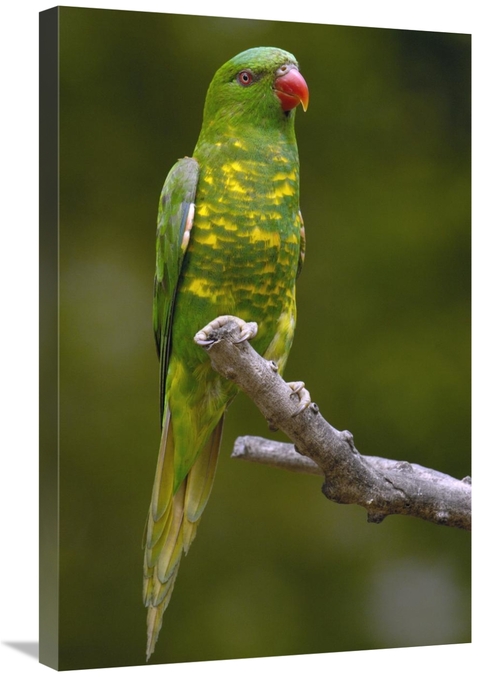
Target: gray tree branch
x,y
382,486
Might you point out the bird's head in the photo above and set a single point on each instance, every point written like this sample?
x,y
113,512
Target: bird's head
x,y
260,87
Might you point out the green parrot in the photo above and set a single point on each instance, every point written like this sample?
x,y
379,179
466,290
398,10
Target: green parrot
x,y
230,241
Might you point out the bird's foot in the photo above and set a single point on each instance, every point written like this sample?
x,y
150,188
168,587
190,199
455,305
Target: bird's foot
x,y
214,330
298,389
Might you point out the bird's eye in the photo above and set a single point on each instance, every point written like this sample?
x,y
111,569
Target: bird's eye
x,y
245,78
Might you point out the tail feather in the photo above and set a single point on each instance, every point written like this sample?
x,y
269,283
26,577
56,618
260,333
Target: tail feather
x,y
172,549
155,617
163,487
201,476
173,522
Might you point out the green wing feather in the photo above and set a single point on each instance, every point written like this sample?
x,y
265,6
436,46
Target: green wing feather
x,y
302,255
175,218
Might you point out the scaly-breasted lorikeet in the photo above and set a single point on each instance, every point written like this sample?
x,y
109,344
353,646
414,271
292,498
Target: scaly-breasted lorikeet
x,y
230,240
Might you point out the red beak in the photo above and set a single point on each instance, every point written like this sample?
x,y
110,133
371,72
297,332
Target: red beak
x,y
291,89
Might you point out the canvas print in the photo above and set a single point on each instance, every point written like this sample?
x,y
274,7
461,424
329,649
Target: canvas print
x,y
276,208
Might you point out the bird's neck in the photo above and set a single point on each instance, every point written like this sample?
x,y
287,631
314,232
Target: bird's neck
x,y
276,148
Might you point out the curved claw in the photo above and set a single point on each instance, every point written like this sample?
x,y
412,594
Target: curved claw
x,y
248,331
204,342
202,337
298,388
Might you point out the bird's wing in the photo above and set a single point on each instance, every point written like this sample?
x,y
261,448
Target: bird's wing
x,y
175,220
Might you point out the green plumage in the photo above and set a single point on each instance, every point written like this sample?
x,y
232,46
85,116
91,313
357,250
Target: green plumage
x,y
230,240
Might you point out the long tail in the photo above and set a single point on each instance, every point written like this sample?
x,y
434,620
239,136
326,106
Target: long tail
x,y
172,523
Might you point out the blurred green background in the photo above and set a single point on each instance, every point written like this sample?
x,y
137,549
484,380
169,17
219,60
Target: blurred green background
x,y
382,342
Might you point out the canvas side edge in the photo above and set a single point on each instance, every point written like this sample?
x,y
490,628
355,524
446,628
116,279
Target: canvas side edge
x,y
49,337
